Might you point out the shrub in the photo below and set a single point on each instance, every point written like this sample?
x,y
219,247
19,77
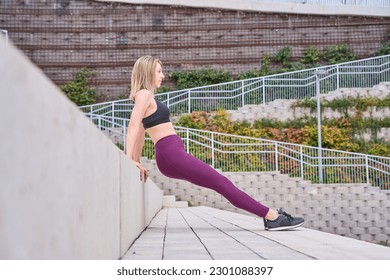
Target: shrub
x,y
338,54
283,56
78,89
198,78
311,56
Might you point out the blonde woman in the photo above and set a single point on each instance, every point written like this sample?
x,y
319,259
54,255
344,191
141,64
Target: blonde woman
x,y
152,116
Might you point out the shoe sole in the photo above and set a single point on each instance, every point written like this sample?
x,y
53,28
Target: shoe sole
x,y
284,228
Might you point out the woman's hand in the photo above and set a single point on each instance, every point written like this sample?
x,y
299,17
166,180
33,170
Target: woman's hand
x,y
143,172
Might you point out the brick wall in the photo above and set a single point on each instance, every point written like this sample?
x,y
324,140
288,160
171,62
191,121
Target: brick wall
x,y
63,36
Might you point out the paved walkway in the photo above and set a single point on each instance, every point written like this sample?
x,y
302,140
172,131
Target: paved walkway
x,y
200,233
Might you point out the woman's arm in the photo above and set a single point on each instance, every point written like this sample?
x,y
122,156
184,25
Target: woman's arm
x,y
139,144
135,137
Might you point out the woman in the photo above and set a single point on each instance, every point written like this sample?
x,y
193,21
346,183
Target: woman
x,y
152,116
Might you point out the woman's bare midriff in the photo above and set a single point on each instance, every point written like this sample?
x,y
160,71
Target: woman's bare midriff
x,y
160,131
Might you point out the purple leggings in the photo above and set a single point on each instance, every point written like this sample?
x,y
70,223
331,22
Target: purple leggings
x,y
174,162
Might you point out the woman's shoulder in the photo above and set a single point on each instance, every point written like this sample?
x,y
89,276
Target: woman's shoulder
x,y
143,94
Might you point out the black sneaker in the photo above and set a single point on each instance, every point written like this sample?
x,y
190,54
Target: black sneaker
x,y
283,222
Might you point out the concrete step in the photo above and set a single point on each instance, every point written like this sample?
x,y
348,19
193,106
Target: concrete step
x,y
169,201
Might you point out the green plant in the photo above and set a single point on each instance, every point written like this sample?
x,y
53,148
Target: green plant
x,y
198,78
385,47
78,89
163,89
264,70
338,54
311,56
283,56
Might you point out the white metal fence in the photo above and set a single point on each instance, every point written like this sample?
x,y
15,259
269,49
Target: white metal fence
x,y
238,153
368,3
232,95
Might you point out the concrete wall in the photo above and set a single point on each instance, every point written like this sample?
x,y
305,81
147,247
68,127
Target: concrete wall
x,y
66,192
253,5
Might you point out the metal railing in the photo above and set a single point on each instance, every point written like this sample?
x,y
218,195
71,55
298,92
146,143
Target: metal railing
x,y
367,3
232,95
235,153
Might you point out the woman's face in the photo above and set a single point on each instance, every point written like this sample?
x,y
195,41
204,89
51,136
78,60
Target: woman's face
x,y
158,76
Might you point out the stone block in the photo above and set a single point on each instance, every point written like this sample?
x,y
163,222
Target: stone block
x,y
304,183
335,224
342,230
223,205
177,192
374,230
199,198
364,223
356,190
364,196
357,230
252,191
273,197
357,203
373,203
364,210
341,203
181,204
312,203
381,237
366,237
296,190
319,224
186,198
326,203
192,192
348,196
273,184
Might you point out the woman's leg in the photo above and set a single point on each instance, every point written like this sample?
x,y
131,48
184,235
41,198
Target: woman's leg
x,y
174,162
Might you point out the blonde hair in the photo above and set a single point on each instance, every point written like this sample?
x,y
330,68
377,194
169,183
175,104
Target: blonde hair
x,y
143,73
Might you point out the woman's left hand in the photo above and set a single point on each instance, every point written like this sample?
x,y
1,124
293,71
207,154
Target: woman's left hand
x,y
143,172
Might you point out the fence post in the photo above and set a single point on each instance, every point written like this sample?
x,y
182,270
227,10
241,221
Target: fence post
x,y
112,114
319,73
212,149
301,159
367,171
188,139
263,90
242,93
338,76
276,157
189,101
124,130
100,122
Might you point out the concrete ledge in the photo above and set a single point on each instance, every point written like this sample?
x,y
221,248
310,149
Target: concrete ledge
x,y
251,5
67,192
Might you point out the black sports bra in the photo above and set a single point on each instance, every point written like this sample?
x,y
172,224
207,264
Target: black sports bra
x,y
161,115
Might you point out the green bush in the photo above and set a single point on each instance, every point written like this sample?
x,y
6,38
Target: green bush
x,y
283,56
265,69
198,78
336,133
385,47
311,56
338,54
78,89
